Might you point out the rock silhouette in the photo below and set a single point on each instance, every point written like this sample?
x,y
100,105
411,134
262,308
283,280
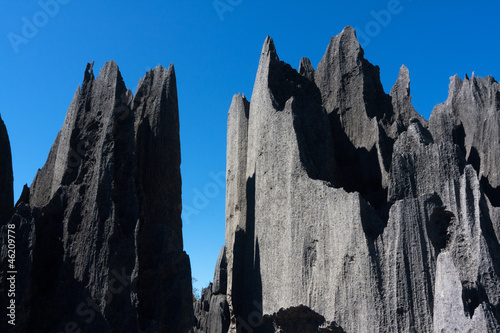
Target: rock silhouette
x,y
6,176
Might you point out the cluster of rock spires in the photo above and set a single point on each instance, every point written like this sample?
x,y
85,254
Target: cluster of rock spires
x,y
344,203
99,233
346,211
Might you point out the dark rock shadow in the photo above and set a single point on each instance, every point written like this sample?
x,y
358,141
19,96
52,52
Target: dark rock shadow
x,y
493,193
493,244
298,319
474,159
356,169
247,280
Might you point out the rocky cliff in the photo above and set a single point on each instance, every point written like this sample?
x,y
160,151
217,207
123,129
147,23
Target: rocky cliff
x,y
345,208
6,176
346,211
99,232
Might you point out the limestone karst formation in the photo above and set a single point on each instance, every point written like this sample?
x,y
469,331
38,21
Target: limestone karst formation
x,y
99,232
6,176
346,209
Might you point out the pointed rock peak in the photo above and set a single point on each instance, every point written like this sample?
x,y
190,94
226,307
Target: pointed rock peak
x,y
466,77
404,74
89,72
240,97
346,42
306,68
110,75
455,85
240,104
25,196
158,75
402,85
109,67
158,78
349,31
269,49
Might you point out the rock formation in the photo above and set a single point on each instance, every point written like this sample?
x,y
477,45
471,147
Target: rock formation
x,y
6,177
346,211
344,206
101,225
212,310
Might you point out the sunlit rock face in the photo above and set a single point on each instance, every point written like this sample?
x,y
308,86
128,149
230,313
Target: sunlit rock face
x,y
343,202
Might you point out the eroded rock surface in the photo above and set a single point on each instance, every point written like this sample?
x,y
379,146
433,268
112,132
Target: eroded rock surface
x,y
102,217
212,309
343,200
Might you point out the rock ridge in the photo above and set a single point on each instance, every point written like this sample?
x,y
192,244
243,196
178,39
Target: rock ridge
x,y
101,225
345,205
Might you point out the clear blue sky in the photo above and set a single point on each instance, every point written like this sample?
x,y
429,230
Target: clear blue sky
x,y
216,56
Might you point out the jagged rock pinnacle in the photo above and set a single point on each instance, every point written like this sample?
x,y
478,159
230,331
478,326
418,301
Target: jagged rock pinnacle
x,y
345,207
106,209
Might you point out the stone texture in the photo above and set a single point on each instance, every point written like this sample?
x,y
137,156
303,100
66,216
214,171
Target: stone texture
x,y
103,228
212,309
211,312
470,118
6,176
237,136
360,115
220,275
162,269
297,319
401,102
343,203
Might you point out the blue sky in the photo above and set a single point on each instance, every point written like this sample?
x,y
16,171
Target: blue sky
x,y
215,53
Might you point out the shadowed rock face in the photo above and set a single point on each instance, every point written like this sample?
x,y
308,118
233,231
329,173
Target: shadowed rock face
x,y
470,117
212,310
6,177
345,205
102,217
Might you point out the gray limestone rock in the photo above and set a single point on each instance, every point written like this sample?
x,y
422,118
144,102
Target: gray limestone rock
x,y
6,176
212,309
103,228
237,136
344,204
470,118
211,312
162,271
306,68
401,102
220,275
360,116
